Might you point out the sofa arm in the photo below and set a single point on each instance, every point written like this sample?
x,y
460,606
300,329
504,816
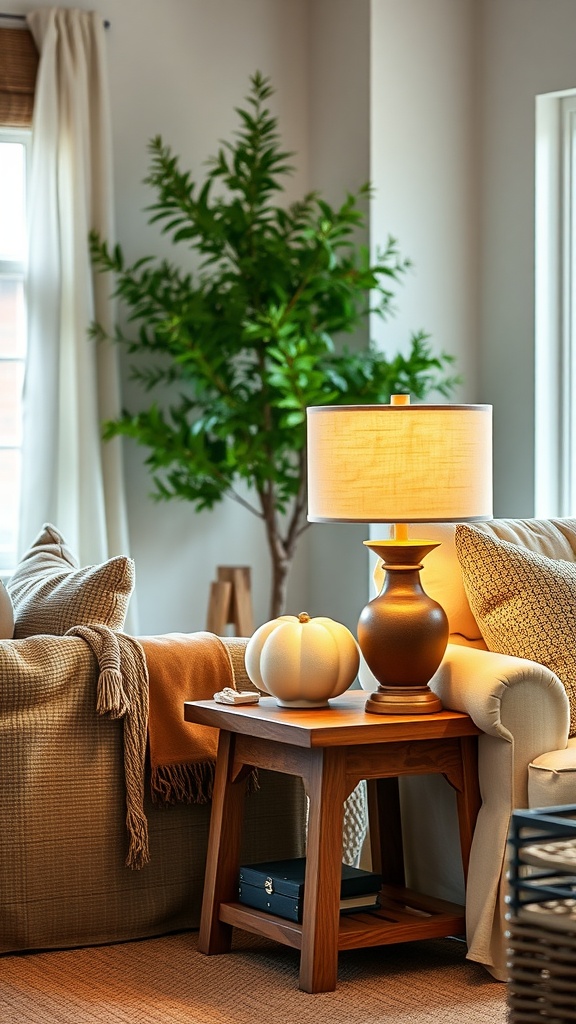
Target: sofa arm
x,y
505,696
523,711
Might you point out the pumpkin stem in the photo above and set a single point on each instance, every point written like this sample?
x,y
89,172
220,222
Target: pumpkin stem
x,y
303,617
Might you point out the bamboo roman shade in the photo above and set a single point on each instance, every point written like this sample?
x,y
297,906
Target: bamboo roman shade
x,y
18,66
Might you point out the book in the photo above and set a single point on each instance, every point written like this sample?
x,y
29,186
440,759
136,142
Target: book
x,y
277,887
370,901
291,907
287,877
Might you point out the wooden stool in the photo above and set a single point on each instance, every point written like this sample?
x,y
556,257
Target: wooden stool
x,y
230,601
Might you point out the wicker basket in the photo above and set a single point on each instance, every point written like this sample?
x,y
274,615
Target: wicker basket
x,y
541,974
542,919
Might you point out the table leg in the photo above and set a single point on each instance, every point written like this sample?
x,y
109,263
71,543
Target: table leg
x,y
223,856
468,797
385,825
326,784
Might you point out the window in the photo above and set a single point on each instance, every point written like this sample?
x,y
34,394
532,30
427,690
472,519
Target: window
x,y
13,162
19,64
555,305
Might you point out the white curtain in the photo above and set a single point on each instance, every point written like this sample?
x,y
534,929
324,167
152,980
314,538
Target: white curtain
x,y
70,477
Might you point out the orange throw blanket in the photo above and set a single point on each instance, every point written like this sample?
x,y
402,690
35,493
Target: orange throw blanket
x,y
146,682
183,666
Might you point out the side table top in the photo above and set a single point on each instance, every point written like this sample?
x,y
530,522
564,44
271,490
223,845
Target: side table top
x,y
345,721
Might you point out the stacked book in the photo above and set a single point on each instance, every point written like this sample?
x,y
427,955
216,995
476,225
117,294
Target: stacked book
x,y
277,887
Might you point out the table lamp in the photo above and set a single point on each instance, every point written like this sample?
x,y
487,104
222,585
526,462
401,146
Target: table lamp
x,y
400,464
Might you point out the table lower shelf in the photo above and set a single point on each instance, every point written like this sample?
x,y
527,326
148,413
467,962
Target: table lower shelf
x,y
404,916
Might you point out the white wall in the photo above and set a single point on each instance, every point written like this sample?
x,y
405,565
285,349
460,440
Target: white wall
x,y
423,162
526,47
339,162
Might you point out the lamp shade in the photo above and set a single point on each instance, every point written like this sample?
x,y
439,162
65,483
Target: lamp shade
x,y
399,463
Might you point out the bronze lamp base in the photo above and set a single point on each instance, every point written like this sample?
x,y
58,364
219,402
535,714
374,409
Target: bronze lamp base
x,y
403,633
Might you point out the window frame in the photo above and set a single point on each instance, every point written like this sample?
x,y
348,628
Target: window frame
x,y
15,269
555,305
19,60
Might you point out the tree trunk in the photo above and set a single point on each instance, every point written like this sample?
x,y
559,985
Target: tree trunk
x,y
280,571
282,546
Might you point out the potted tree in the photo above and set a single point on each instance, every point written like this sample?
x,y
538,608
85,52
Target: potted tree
x,y
247,336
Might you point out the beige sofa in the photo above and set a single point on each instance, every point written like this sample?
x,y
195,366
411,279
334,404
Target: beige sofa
x,y
63,835
98,769
525,756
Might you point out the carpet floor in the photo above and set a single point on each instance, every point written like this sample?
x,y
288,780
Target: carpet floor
x,y
166,981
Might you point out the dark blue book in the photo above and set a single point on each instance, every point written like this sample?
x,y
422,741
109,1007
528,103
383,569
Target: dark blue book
x,y
277,887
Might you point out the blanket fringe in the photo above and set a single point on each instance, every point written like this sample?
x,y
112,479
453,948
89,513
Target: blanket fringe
x,y
111,697
189,783
138,849
183,783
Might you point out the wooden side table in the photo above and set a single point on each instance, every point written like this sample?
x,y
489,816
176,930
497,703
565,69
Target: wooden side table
x,y
332,750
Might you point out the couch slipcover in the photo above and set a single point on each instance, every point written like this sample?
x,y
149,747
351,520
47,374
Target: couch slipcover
x,y
63,837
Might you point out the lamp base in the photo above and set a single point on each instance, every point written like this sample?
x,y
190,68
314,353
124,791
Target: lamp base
x,y
402,633
390,701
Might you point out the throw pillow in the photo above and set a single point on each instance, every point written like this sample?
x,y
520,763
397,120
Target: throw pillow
x,y
50,593
524,603
6,614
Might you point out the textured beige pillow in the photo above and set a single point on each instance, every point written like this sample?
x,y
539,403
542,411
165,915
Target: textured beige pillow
x,y
524,603
51,594
6,614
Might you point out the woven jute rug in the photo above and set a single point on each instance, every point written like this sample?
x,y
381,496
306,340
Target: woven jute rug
x,y
166,981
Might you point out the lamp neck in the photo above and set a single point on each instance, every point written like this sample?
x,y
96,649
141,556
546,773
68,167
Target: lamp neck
x,y
400,531
402,580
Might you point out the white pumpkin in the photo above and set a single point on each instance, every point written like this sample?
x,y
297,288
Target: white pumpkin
x,y
301,661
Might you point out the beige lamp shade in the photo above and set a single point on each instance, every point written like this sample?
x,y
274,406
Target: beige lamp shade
x,y
399,463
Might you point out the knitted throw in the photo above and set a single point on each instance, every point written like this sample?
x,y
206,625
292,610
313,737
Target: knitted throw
x,y
146,682
122,692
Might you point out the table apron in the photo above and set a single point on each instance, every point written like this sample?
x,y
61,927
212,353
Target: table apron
x,y
415,757
369,761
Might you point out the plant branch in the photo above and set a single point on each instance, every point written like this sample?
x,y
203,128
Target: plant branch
x,y
245,504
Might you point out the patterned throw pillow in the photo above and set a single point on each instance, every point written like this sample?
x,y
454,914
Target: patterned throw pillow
x,y
51,594
524,603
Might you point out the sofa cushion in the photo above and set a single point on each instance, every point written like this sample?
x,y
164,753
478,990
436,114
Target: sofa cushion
x,y
552,777
6,614
555,538
50,593
523,601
